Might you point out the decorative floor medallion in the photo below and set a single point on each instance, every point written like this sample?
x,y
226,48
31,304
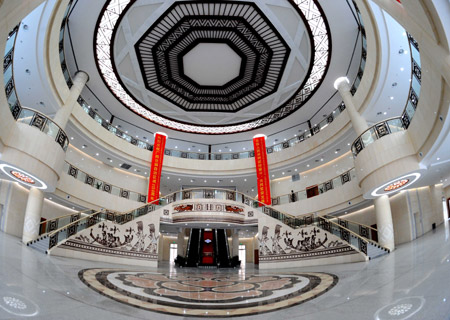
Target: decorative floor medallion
x,y
207,294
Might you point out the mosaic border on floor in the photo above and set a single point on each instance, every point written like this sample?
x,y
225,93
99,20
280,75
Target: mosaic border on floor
x,y
207,294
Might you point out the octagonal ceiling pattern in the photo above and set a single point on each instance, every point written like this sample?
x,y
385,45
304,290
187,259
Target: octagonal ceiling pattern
x,y
184,26
277,54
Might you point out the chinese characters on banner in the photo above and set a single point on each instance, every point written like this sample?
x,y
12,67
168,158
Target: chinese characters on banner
x,y
156,166
262,169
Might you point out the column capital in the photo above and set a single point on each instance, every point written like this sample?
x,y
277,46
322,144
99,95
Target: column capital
x,y
342,84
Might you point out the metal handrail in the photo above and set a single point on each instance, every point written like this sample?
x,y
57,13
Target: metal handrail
x,y
66,215
356,235
374,125
288,194
354,222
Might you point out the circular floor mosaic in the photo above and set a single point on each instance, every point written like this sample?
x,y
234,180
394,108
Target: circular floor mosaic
x,y
207,294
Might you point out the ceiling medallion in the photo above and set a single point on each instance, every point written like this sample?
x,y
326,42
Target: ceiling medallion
x,y
22,177
396,185
259,58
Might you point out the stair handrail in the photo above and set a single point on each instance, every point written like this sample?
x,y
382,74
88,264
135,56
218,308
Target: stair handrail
x,y
166,197
351,221
66,215
355,234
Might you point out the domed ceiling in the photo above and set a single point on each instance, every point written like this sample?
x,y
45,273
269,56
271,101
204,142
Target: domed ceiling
x,y
212,67
199,68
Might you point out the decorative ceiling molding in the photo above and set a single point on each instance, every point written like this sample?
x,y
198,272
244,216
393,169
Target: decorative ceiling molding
x,y
310,12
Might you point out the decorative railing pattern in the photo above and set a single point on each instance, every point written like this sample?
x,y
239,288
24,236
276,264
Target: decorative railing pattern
x,y
322,187
105,123
360,229
211,194
102,185
292,221
377,131
8,79
41,122
22,114
362,64
401,123
59,222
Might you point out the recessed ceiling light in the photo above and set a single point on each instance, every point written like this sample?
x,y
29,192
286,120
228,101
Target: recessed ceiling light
x,y
220,150
71,138
307,165
295,170
282,173
176,147
385,113
126,131
321,159
110,160
204,180
273,175
348,143
97,154
231,181
392,98
401,69
168,177
438,159
245,179
179,179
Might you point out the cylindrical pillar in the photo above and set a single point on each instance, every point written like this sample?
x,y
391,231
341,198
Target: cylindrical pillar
x,y
235,243
180,243
32,217
63,114
358,122
384,222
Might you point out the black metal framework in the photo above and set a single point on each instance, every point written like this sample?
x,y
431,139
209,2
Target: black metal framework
x,y
317,28
263,52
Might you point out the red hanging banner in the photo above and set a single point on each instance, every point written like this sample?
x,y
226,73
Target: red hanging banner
x,y
262,169
156,167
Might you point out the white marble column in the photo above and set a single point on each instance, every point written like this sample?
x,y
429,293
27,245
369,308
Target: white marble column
x,y
180,243
235,242
384,222
32,217
358,122
63,114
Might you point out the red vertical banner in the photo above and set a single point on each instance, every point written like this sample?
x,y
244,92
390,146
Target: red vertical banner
x,y
156,166
262,169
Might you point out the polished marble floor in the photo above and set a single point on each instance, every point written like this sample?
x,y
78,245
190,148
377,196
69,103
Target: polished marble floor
x,y
413,282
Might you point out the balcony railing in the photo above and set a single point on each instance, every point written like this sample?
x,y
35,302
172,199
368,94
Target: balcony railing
x,y
401,123
101,185
377,131
334,183
42,123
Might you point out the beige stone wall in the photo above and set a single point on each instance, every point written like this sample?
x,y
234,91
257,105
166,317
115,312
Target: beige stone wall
x,y
13,199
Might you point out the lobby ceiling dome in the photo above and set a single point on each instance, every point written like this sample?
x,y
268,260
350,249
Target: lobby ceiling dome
x,y
199,68
212,67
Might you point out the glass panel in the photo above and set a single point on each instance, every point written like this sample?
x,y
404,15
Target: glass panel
x,y
51,129
12,99
416,85
115,190
81,176
369,136
410,110
7,74
10,43
415,55
25,116
395,125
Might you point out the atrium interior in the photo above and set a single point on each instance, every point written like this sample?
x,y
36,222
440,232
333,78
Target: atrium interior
x,y
203,159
